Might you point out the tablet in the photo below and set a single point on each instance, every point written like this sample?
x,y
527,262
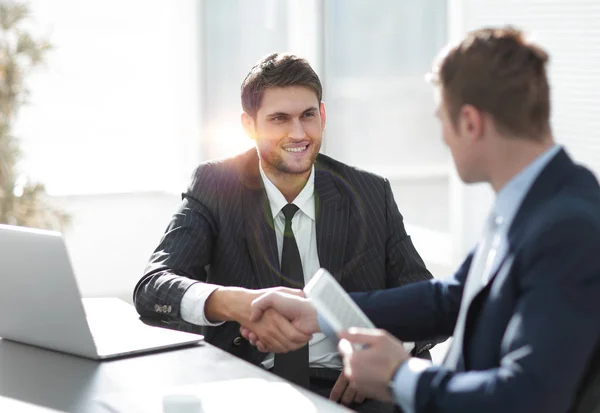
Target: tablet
x,y
334,304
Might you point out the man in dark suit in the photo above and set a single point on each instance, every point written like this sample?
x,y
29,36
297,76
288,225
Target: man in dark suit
x,y
524,306
234,235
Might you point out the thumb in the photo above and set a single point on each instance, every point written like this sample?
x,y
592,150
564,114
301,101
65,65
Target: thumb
x,y
291,291
363,336
260,305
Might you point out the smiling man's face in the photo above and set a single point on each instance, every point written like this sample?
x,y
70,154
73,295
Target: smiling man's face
x,y
288,129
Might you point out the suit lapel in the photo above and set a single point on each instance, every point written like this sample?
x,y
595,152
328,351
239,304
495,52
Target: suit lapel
x,y
494,261
258,224
551,177
548,181
332,211
502,273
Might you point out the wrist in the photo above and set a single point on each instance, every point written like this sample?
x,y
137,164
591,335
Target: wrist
x,y
229,304
391,384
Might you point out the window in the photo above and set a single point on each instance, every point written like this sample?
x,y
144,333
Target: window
x,y
380,109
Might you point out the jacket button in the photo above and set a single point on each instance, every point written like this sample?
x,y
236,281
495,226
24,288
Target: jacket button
x,y
237,341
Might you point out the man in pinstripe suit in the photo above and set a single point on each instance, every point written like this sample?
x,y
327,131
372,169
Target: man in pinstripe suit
x,y
223,246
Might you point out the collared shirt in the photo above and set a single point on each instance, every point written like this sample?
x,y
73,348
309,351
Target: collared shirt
x,y
322,350
506,206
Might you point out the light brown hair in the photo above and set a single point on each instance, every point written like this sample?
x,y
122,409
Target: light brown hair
x,y
499,72
277,70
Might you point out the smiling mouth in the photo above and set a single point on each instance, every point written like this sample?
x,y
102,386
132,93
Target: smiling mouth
x,y
298,149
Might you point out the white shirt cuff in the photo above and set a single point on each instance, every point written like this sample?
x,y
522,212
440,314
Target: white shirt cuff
x,y
193,301
405,382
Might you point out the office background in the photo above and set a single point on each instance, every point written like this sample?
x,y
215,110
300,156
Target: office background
x,y
137,92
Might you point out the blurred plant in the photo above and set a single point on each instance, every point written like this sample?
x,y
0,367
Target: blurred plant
x,y
22,202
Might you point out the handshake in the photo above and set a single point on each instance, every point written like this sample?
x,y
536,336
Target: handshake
x,y
283,320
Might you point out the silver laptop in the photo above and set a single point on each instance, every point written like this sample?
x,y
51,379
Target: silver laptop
x,y
42,306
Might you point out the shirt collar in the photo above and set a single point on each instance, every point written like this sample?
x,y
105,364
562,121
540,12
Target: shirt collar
x,y
510,197
304,201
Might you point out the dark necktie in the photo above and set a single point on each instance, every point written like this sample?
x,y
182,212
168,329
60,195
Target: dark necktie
x,y
292,366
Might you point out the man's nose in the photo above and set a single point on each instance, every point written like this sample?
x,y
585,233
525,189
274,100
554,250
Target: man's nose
x,y
297,130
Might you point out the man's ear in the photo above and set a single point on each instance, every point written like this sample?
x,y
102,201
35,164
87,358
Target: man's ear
x,y
248,125
471,122
323,114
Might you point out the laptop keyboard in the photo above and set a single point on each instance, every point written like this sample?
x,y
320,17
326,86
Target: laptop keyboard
x,y
129,337
116,329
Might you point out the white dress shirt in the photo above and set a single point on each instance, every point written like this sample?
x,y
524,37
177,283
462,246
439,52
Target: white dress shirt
x,y
322,350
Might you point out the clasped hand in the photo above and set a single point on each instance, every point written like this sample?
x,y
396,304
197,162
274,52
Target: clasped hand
x,y
301,316
270,330
366,372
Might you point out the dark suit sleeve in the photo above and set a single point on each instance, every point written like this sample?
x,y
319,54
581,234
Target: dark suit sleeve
x,y
418,311
547,342
403,263
178,262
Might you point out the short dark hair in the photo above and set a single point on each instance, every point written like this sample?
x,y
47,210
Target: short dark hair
x,y
500,73
277,70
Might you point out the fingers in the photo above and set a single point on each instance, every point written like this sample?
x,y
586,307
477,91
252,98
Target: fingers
x,y
348,355
292,337
290,333
245,333
369,370
285,334
291,291
359,398
345,347
345,393
353,353
260,305
272,340
261,347
275,333
268,300
338,388
348,396
252,338
249,335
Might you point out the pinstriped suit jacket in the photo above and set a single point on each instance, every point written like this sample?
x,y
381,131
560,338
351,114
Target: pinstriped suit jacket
x,y
223,234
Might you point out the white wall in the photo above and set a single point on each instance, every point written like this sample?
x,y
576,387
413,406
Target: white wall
x,y
112,237
113,127
116,107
